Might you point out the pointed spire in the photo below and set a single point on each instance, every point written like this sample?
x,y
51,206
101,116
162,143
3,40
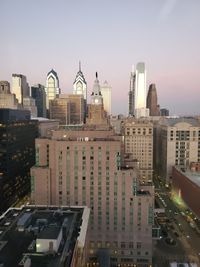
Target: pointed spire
x,y
79,65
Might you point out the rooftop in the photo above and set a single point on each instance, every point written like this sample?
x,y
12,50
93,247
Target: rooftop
x,y
23,229
192,176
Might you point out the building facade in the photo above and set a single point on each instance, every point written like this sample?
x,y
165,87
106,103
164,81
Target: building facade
x,y
152,102
20,87
52,88
38,93
106,94
7,100
29,104
132,93
138,139
177,142
17,154
84,167
68,109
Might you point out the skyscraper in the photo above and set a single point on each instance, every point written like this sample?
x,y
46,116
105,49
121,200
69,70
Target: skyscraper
x,y
80,88
38,93
132,93
20,87
106,93
152,103
52,87
140,91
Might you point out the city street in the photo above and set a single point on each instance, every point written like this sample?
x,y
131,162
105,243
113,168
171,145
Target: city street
x,y
179,227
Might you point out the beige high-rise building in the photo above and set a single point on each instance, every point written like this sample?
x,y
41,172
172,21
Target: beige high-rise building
x,y
177,142
69,109
7,100
106,94
138,139
84,167
20,87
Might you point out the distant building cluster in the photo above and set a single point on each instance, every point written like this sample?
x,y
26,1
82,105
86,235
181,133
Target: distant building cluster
x,y
89,173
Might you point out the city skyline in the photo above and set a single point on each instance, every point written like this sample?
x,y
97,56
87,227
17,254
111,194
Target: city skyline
x,y
108,38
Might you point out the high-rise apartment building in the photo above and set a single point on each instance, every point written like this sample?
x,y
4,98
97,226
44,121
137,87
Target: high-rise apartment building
x,y
38,93
52,87
152,102
7,100
132,93
177,142
96,112
20,87
68,109
106,94
138,139
17,154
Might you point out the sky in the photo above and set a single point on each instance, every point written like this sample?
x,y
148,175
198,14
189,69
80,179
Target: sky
x,y
107,36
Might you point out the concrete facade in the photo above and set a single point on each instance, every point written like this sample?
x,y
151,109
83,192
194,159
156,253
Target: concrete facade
x,y
177,142
138,139
84,167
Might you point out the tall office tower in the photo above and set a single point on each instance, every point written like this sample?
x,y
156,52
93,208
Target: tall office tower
x,y
177,142
106,94
38,93
7,100
132,93
138,138
152,103
85,167
17,146
140,91
96,112
20,87
68,109
164,112
52,87
80,88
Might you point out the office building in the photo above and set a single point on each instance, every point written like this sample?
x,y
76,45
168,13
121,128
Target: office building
x,y
17,154
177,143
80,84
68,109
96,112
20,87
7,100
140,91
44,236
52,87
46,126
132,93
38,93
106,94
138,139
152,102
29,104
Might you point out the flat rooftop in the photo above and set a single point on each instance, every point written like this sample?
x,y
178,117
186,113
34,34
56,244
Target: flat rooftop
x,y
192,176
20,228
